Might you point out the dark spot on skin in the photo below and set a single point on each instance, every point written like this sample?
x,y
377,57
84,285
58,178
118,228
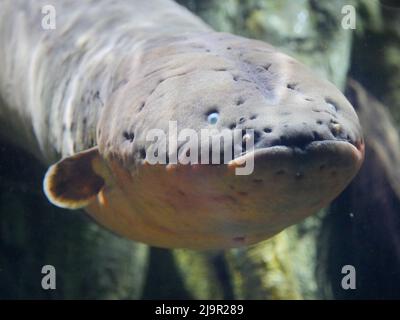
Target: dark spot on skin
x,y
232,126
253,117
129,136
181,193
291,86
266,67
317,136
208,50
141,106
335,131
142,153
322,167
97,96
220,69
309,99
239,101
242,193
241,120
331,103
239,239
280,172
64,128
256,136
228,48
319,122
235,78
231,187
257,181
267,130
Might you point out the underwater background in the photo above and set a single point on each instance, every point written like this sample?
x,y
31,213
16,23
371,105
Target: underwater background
x,y
361,228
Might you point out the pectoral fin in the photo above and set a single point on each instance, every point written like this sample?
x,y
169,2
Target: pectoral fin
x,y
74,182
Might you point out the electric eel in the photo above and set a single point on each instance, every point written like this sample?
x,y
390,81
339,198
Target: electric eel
x,y
85,95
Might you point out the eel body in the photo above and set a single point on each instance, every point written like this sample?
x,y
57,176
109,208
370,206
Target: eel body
x,y
88,93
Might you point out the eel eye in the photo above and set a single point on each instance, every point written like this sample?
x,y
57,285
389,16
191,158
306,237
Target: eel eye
x,y
213,118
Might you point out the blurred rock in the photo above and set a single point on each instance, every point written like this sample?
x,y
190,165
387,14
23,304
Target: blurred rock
x,y
90,262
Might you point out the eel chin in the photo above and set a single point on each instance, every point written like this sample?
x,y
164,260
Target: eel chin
x,y
210,207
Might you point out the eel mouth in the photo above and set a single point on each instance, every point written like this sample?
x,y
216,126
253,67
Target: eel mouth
x,y
332,164
354,150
